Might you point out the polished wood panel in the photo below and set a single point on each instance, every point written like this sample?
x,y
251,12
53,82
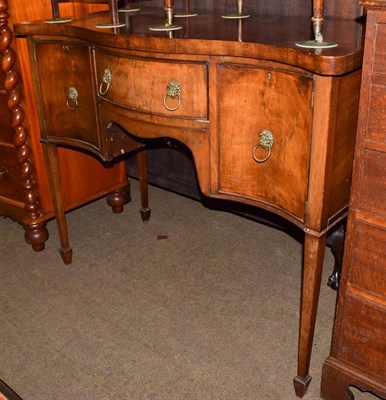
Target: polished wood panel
x,y
358,352
211,34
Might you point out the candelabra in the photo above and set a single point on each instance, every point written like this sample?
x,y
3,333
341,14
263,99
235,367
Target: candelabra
x,y
239,14
168,25
128,8
317,26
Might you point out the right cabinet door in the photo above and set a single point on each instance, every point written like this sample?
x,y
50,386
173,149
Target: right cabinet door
x,y
264,135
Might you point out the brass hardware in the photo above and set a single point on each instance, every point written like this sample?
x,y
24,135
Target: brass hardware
x,y
317,27
269,77
72,99
169,16
3,173
266,142
168,25
106,80
173,91
239,14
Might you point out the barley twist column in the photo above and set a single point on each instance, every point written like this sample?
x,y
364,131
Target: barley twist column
x,y
36,233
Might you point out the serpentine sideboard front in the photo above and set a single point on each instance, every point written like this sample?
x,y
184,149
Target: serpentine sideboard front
x,y
268,123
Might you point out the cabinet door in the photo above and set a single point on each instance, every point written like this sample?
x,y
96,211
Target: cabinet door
x,y
68,98
253,100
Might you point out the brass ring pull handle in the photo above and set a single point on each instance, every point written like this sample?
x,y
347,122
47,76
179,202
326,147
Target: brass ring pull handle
x,y
3,173
266,142
173,91
106,82
72,99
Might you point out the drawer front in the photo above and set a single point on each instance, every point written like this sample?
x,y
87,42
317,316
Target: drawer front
x,y
10,184
376,126
363,341
368,255
253,100
6,133
372,198
142,84
379,58
67,91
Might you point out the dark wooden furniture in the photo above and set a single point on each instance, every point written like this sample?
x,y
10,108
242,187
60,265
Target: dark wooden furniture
x,y
6,393
358,353
268,123
24,188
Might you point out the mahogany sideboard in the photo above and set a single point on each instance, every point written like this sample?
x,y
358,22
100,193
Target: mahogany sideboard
x,y
358,352
268,123
24,188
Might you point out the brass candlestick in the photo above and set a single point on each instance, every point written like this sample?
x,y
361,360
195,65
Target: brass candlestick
x,y
239,14
169,15
56,18
114,17
128,8
187,13
317,27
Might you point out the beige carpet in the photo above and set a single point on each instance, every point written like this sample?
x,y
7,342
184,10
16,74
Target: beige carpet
x,y
210,313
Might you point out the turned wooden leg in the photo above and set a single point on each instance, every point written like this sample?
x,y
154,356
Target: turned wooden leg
x,y
143,184
118,198
312,272
36,235
337,245
53,169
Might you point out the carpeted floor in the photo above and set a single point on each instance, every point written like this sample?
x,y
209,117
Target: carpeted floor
x,y
210,313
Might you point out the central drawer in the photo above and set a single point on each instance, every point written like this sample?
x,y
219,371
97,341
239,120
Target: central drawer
x,y
165,87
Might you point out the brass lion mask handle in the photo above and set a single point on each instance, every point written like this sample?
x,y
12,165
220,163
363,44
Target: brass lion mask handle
x,y
266,140
106,82
173,91
72,99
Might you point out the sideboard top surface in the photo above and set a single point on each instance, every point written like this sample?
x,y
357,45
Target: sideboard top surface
x,y
265,37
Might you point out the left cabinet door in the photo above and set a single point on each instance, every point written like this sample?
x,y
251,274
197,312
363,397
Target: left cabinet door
x,y
67,94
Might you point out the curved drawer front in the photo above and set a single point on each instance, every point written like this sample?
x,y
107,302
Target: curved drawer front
x,y
67,91
142,84
10,184
264,135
